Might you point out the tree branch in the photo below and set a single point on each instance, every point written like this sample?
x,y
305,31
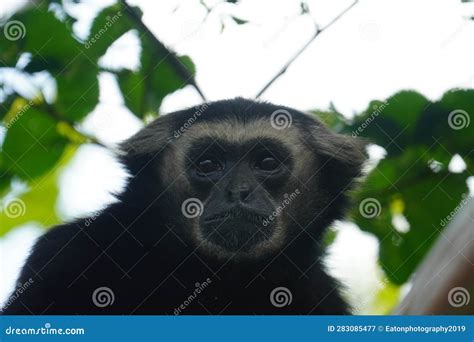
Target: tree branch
x,y
159,47
300,51
50,110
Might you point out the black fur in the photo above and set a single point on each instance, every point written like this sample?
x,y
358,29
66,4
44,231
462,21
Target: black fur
x,y
135,248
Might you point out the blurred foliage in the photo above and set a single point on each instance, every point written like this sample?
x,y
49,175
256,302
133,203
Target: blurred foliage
x,y
412,183
41,133
385,299
38,203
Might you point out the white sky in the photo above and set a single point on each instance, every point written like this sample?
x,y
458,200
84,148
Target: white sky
x,y
378,48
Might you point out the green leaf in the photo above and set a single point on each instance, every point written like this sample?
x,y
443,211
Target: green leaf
x,y
391,123
448,126
188,63
427,204
38,204
416,133
396,172
239,21
165,80
145,89
32,144
6,104
78,90
54,48
426,197
132,85
329,236
5,181
109,25
38,64
49,40
332,119
304,8
9,51
385,300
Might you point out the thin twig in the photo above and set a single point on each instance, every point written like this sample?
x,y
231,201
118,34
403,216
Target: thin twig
x,y
313,37
159,47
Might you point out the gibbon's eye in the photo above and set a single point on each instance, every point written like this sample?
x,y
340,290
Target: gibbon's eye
x,y
267,163
207,166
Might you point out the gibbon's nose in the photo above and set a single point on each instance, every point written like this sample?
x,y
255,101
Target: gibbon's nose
x,y
239,193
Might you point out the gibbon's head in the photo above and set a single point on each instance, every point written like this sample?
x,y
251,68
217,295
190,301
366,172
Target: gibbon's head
x,y
244,178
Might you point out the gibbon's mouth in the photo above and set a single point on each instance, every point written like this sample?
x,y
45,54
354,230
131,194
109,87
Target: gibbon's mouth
x,y
237,214
236,229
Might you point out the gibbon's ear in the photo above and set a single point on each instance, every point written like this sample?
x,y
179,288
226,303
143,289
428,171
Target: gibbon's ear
x,y
341,157
147,144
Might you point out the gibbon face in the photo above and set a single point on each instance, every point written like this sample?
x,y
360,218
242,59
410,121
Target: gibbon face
x,y
243,178
241,173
